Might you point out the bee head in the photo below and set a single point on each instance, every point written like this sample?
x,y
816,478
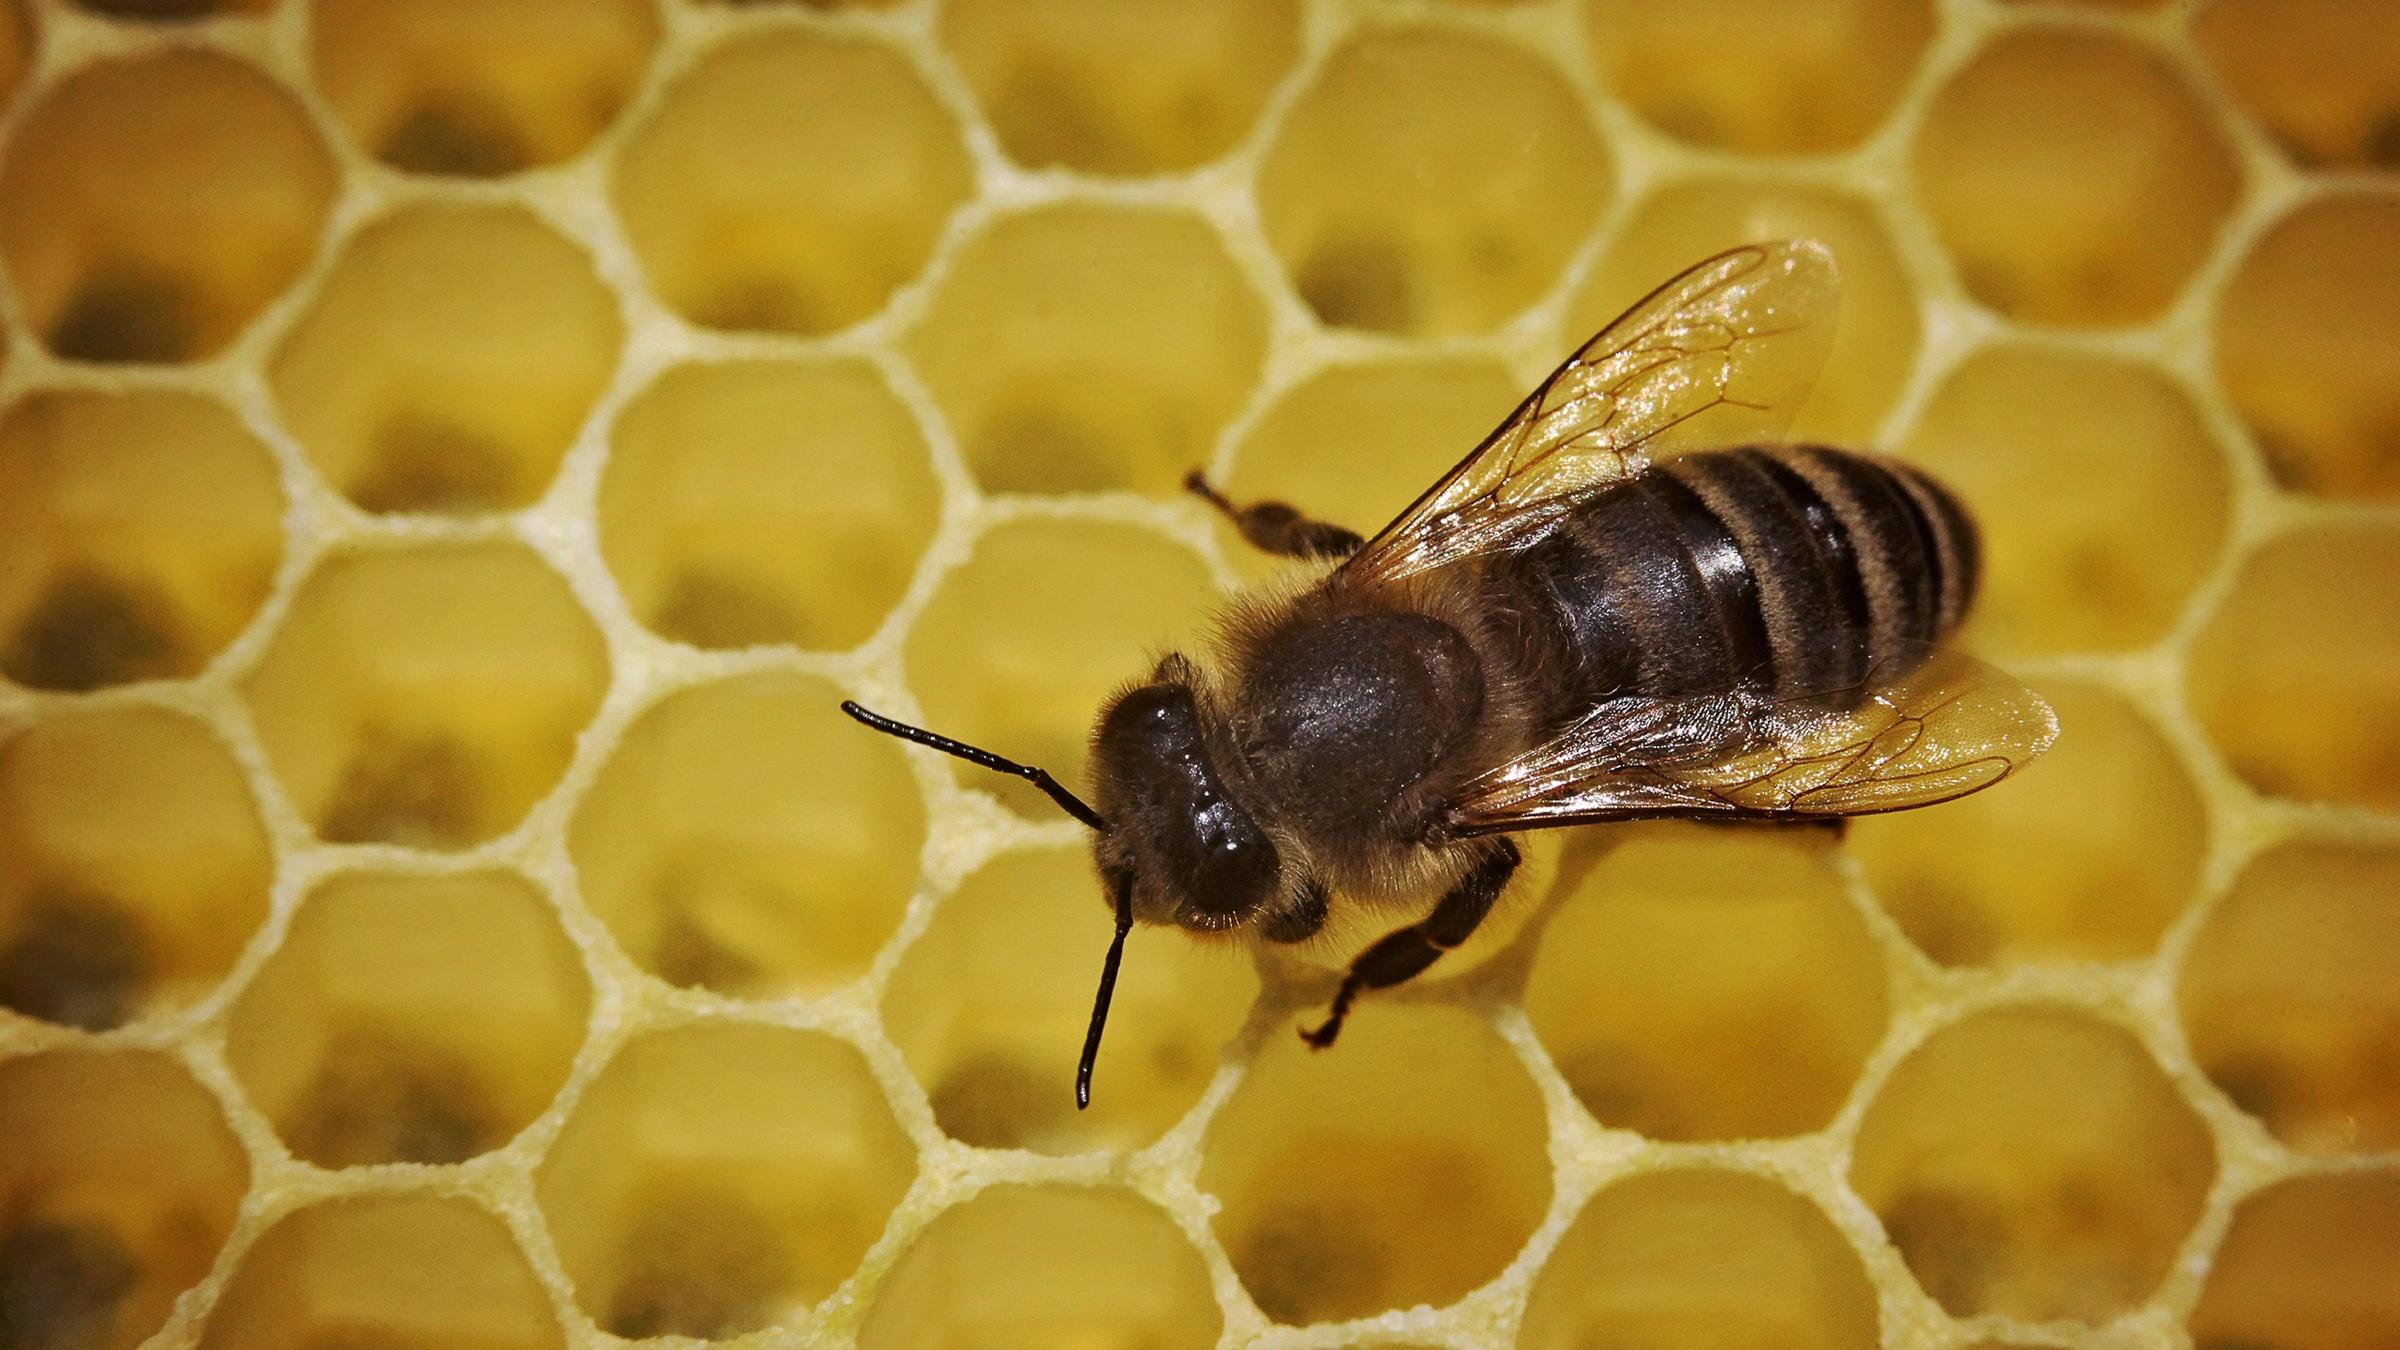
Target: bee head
x,y
1120,882
1176,839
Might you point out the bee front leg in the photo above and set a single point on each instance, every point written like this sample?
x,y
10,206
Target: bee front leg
x,y
1402,955
1278,527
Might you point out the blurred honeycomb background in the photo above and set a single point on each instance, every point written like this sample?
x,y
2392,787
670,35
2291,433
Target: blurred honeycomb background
x,y
455,453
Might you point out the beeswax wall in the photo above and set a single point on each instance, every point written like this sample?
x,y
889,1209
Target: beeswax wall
x,y
455,454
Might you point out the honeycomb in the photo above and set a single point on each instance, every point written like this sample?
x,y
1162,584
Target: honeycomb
x,y
455,454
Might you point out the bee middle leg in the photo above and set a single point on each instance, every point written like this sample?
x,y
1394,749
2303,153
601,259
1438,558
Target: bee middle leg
x,y
1277,527
1403,954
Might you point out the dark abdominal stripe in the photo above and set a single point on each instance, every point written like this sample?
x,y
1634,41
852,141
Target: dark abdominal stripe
x,y
1788,572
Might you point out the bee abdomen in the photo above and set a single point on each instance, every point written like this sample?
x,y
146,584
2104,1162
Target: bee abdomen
x,y
1787,572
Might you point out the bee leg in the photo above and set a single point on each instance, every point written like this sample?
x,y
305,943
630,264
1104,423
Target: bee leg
x,y
1277,527
1402,955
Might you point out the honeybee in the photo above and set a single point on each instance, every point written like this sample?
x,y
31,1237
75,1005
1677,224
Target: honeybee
x,y
1628,603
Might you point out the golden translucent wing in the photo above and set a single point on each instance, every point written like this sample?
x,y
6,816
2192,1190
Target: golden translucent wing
x,y
1721,355
1952,725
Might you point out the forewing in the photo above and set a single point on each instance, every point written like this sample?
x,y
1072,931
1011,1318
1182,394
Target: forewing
x,y
1950,727
1721,355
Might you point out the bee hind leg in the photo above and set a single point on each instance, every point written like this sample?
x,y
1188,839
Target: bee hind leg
x,y
1402,955
1277,527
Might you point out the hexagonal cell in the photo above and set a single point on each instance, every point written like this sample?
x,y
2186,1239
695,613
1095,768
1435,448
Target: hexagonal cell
x,y
119,1183
127,245
2033,1162
1120,86
1018,648
411,1018
132,865
2074,176
1760,77
1334,1168
748,838
1084,347
788,181
2057,451
1356,444
426,695
756,502
721,1177
1045,1266
1430,182
2292,676
1694,1256
2306,343
139,532
442,87
989,1007
1876,329
2086,856
2318,74
385,1271
1709,984
2291,996
448,360
2307,1263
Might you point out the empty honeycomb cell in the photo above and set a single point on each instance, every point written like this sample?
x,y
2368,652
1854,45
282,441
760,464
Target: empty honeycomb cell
x,y
1696,1256
2055,452
746,837
2323,76
426,695
384,1272
151,206
2308,346
1757,76
2308,1264
132,865
1709,984
719,1178
443,87
1030,1267
1337,1171
788,181
1430,182
1875,331
2292,676
2291,996
2074,176
1356,444
448,360
1083,347
2033,1162
2087,855
990,1004
1119,86
1019,647
410,1018
119,1182
766,501
139,532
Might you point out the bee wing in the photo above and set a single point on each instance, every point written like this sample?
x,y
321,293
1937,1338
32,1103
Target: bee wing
x,y
1951,726
1720,355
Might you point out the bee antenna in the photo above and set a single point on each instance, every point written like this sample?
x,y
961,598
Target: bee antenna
x,y
1067,801
1108,989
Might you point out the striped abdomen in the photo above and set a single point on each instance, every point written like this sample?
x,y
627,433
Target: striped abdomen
x,y
1786,572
